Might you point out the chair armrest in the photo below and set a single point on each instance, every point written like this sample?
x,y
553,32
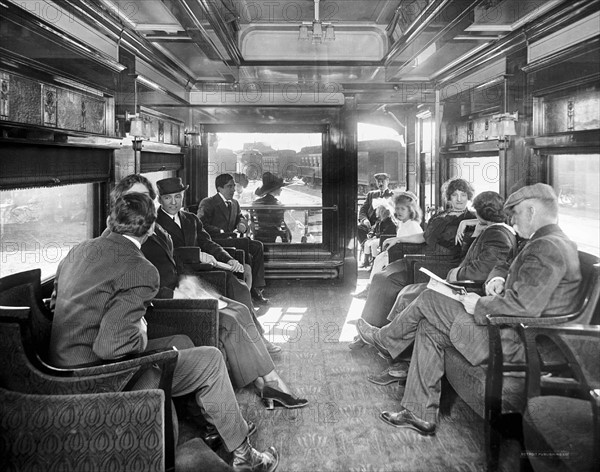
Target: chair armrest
x,y
503,320
196,318
439,265
580,346
237,254
398,251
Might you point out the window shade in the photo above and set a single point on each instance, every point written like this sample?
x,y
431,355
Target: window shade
x,y
37,165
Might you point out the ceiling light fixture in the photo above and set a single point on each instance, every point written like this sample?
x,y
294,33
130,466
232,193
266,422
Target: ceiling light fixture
x,y
317,31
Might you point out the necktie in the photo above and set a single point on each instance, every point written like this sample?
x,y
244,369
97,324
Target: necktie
x,y
175,220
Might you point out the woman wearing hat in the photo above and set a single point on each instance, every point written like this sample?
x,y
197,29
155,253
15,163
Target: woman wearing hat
x,y
270,223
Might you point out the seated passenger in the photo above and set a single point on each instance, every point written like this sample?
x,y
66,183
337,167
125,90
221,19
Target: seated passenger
x,y
408,216
242,195
244,347
366,215
100,302
270,223
542,280
221,214
384,225
437,239
494,244
186,229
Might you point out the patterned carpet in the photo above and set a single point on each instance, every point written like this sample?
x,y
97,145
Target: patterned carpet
x,y
340,429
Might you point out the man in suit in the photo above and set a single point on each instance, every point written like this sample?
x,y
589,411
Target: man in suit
x,y
186,229
221,216
542,280
367,215
102,290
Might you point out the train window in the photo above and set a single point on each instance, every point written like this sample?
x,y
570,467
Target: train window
x,y
575,179
40,225
380,149
482,172
294,157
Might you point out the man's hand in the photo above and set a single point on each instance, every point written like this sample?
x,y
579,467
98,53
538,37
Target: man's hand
x,y
495,286
207,258
365,222
469,301
242,228
237,267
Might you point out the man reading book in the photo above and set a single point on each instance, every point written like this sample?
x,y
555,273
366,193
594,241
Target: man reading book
x,y
542,280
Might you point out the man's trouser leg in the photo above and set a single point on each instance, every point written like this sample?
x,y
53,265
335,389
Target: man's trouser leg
x,y
423,384
201,370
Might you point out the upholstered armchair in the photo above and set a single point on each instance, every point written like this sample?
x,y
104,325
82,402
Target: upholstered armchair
x,y
86,418
505,389
561,424
78,418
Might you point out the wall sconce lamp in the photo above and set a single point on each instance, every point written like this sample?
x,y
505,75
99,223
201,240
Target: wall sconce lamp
x,y
192,138
505,126
316,30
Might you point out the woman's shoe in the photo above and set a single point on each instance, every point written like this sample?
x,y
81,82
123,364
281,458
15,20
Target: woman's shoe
x,y
363,294
270,396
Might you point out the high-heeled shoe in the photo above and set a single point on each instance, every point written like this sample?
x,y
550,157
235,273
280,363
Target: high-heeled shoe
x,y
271,395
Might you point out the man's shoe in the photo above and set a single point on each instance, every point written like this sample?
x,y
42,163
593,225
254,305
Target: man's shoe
x,y
406,419
258,296
248,459
357,343
271,348
367,334
388,377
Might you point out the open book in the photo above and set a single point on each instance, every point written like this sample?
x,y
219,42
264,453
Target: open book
x,y
445,288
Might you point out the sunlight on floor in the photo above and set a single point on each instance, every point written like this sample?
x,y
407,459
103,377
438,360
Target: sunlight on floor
x,y
280,326
349,328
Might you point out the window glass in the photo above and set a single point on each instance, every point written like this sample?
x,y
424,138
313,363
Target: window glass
x,y
575,179
294,157
40,225
483,173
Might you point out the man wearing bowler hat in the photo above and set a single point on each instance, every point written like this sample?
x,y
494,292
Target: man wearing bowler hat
x,y
186,229
542,280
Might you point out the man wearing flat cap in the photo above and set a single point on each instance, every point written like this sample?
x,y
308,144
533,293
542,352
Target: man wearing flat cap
x,y
367,215
543,279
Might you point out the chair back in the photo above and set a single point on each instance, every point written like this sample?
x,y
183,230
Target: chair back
x,y
24,290
589,290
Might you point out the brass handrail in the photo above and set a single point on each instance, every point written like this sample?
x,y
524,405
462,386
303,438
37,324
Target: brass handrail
x,y
288,207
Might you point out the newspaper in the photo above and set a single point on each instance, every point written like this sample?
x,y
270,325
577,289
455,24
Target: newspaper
x,y
445,288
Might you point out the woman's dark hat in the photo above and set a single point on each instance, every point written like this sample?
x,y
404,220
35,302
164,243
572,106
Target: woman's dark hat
x,y
240,179
171,185
270,182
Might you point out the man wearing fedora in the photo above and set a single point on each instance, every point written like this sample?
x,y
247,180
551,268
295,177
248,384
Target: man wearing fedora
x,y
542,280
186,229
222,216
270,223
367,215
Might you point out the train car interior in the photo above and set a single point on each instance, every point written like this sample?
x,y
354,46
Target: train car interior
x,y
315,108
